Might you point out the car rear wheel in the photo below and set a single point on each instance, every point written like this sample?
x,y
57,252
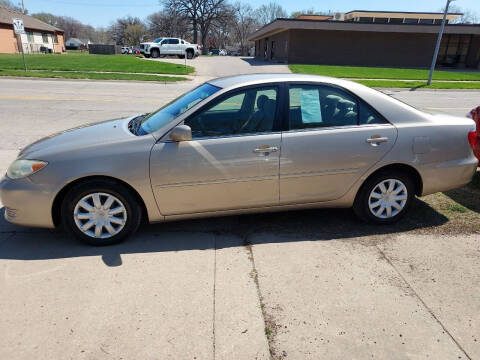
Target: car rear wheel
x,y
190,55
384,198
154,53
100,212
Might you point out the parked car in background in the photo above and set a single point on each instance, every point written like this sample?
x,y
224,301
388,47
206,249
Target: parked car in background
x,y
222,52
126,50
162,47
240,144
475,139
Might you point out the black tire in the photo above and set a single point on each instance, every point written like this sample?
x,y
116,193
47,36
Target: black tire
x,y
155,53
190,54
361,205
124,195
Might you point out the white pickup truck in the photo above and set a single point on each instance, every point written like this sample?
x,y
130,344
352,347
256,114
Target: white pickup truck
x,y
162,47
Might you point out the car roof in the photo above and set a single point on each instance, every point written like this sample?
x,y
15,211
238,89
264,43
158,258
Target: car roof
x,y
252,79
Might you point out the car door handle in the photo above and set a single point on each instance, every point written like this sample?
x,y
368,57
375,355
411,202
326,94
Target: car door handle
x,y
376,139
265,149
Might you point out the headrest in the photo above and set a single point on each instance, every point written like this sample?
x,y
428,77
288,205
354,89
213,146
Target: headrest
x,y
261,101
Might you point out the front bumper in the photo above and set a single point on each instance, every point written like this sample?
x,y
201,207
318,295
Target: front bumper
x,y
26,203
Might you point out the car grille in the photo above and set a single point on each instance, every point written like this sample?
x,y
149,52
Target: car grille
x,y
10,213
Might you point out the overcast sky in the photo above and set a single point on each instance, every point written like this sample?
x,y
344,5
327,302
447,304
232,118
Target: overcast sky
x,y
103,12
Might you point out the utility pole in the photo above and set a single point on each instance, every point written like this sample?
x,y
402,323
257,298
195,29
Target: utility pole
x,y
23,8
439,40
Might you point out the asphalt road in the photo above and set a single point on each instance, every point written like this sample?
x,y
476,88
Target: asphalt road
x,y
324,285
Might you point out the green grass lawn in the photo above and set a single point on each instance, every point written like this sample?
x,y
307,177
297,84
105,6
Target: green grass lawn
x,y
86,62
420,84
382,73
90,75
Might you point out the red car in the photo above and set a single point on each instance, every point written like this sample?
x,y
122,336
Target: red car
x,y
474,137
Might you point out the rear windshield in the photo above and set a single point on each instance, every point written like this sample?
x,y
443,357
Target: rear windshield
x,y
177,107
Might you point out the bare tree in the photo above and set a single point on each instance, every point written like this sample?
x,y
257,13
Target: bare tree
x,y
11,5
134,34
212,13
117,29
188,9
269,12
468,16
165,23
202,14
245,24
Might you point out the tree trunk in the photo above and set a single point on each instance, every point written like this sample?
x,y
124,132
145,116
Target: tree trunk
x,y
195,31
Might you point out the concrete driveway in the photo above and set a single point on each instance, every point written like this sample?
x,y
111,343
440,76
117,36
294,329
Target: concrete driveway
x,y
296,285
208,67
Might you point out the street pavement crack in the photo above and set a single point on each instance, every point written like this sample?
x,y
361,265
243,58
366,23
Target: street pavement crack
x,y
423,302
270,331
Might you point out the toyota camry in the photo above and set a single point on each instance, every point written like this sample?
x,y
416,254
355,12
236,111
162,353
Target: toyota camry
x,y
240,144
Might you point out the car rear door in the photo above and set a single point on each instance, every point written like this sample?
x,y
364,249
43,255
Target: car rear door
x,y
333,138
232,161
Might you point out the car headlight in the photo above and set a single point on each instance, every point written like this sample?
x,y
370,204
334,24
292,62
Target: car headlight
x,y
21,168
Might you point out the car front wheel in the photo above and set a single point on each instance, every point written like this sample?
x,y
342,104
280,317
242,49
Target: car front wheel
x,y
100,212
384,198
154,53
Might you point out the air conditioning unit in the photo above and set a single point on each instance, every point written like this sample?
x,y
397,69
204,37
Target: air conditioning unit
x,y
339,16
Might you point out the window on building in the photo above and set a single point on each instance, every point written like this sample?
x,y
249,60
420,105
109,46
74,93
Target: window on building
x,y
55,39
366,19
411,21
45,38
381,20
30,37
426,21
439,21
396,20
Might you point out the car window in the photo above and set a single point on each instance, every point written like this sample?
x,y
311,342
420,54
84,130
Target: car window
x,y
241,112
173,41
369,116
167,113
314,106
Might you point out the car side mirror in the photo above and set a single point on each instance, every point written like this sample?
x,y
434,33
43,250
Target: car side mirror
x,y
181,133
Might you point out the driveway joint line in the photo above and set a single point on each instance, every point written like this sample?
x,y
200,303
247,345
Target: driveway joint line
x,y
423,302
214,291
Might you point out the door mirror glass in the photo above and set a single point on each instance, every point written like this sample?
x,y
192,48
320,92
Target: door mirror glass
x,y
181,133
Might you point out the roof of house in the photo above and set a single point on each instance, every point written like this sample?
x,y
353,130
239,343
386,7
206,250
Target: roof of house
x,y
402,12
29,22
280,25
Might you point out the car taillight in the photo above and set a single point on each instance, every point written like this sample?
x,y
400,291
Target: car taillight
x,y
472,137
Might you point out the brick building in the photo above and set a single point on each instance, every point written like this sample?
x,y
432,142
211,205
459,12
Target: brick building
x,y
38,35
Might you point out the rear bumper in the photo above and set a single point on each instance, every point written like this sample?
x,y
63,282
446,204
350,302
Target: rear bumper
x,y
447,175
26,203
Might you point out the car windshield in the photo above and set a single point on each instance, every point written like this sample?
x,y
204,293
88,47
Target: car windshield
x,y
157,40
177,107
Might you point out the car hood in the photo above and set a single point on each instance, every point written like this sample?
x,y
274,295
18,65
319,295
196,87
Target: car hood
x,y
84,136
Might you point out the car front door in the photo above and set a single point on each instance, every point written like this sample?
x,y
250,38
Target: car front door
x,y
165,47
333,139
232,161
